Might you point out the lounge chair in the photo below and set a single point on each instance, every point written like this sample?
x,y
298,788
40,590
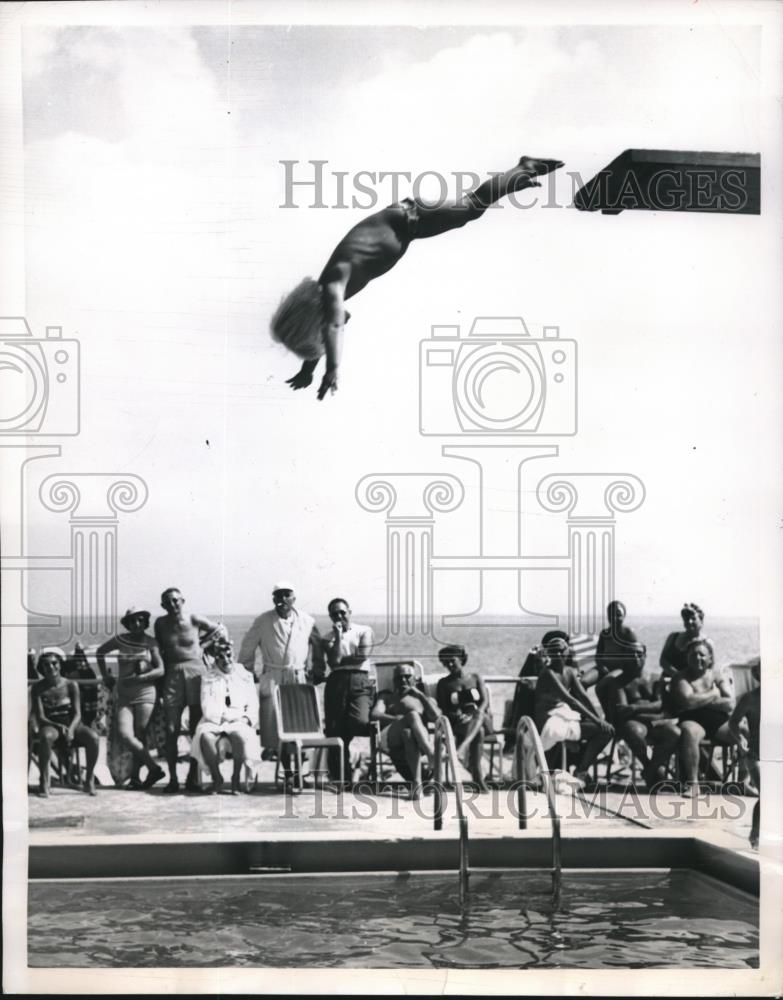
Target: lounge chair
x,y
299,725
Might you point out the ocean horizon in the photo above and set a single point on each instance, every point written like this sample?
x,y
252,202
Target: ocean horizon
x,y
493,645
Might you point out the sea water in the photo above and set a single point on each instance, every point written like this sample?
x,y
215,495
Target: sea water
x,y
492,648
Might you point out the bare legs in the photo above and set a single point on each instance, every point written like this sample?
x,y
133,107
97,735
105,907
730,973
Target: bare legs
x,y
692,735
209,748
596,741
664,740
173,727
132,723
437,219
50,740
469,748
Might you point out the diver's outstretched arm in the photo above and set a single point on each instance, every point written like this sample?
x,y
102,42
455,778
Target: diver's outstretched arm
x,y
334,308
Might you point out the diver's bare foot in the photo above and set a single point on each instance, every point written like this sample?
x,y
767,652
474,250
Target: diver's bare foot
x,y
536,167
89,786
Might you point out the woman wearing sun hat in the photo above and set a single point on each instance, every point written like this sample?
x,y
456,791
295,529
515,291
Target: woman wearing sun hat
x,y
139,667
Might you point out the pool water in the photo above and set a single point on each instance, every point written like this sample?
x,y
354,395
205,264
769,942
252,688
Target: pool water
x,y
512,920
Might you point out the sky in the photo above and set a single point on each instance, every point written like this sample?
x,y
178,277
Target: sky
x,y
154,233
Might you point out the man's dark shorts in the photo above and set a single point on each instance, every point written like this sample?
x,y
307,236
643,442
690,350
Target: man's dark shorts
x,y
348,698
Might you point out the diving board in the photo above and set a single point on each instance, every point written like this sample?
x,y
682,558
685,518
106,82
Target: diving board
x,y
662,180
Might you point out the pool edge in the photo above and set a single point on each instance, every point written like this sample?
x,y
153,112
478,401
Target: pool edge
x,y
239,856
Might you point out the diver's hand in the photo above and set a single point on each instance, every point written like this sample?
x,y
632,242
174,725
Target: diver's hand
x,y
301,380
328,383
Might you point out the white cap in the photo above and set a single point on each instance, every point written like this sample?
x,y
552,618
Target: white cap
x,y
53,649
283,585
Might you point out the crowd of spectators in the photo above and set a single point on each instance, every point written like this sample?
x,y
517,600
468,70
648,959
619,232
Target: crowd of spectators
x,y
188,662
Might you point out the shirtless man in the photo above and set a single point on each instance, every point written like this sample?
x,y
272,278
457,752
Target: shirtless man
x,y
404,713
311,318
634,707
179,637
58,714
564,710
704,702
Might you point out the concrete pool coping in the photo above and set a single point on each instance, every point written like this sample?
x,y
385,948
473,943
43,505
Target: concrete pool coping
x,y
141,857
121,834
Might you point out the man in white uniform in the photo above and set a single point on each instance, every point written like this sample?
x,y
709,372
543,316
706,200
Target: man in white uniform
x,y
349,692
283,646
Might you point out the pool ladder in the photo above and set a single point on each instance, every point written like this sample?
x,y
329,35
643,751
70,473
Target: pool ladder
x,y
528,733
444,744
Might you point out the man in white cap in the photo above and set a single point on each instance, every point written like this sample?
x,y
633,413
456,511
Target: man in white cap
x,y
282,646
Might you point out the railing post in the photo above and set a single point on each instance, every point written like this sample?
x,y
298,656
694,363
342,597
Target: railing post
x,y
463,853
526,727
521,784
438,797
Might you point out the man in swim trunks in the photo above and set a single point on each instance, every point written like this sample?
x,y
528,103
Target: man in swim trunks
x,y
704,702
564,710
179,636
57,711
634,707
404,713
310,320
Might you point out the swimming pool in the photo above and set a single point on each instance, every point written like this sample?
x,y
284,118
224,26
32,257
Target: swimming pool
x,y
632,918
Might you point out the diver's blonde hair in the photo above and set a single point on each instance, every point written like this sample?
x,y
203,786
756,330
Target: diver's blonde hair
x,y
298,322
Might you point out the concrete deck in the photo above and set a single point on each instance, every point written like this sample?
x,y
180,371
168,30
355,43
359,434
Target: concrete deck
x,y
119,833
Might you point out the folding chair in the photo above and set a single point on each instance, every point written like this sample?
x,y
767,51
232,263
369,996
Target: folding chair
x,y
495,742
299,725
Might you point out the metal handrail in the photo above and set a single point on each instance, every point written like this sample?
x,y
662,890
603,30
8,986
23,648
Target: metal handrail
x,y
444,739
526,727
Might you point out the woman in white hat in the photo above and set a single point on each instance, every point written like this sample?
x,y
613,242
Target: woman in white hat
x,y
139,667
229,707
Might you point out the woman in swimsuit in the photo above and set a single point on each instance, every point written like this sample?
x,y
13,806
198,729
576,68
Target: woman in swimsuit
x,y
139,667
57,710
463,699
674,656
